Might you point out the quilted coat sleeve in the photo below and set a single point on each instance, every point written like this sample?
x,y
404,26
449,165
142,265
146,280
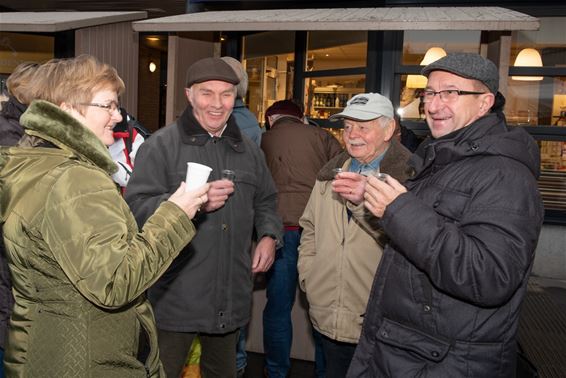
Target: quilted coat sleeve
x,y
481,252
93,237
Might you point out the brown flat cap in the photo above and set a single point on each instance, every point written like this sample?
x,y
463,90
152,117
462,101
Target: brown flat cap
x,y
211,69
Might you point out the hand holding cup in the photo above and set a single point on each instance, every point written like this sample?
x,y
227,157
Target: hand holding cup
x,y
350,186
380,191
197,175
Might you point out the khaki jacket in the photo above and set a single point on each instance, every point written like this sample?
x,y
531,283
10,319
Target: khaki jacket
x,y
338,256
78,263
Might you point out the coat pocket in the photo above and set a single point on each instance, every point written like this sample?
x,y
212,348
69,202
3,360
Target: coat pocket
x,y
451,204
432,348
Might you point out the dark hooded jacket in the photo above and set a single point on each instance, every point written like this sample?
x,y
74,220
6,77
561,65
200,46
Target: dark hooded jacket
x,y
209,288
445,301
10,129
10,133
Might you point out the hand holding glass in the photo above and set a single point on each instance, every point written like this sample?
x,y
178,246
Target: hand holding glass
x,y
228,174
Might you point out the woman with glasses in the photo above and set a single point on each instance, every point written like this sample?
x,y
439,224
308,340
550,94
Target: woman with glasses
x,y
79,264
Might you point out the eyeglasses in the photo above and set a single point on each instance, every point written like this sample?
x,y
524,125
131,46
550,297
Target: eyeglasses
x,y
447,95
112,106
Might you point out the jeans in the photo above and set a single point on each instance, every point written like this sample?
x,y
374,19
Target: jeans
x,y
338,356
319,360
241,354
281,288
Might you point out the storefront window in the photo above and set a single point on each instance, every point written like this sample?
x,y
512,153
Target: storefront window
x,y
269,62
325,96
539,102
538,98
548,43
336,49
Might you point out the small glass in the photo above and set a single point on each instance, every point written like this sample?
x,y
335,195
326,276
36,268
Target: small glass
x,y
228,174
336,171
369,172
381,176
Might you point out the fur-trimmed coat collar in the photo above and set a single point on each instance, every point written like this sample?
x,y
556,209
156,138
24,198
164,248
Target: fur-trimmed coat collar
x,y
48,122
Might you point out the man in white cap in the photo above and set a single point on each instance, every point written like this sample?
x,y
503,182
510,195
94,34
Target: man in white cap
x,y
462,231
338,256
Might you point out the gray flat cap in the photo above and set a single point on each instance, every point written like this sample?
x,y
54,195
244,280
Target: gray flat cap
x,y
468,65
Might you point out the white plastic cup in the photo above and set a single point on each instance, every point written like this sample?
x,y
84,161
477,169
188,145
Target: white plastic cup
x,y
197,176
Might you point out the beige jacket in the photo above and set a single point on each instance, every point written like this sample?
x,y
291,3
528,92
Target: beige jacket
x,y
338,257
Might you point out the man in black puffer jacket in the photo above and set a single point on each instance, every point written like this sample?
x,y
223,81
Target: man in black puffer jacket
x,y
463,230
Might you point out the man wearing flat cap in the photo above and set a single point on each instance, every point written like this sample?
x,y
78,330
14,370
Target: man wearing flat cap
x,y
462,234
338,254
207,290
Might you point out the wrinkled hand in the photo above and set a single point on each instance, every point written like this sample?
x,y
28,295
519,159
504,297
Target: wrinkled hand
x,y
191,201
379,194
264,255
218,194
350,186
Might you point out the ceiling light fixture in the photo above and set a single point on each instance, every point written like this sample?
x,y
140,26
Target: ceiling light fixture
x,y
432,55
528,58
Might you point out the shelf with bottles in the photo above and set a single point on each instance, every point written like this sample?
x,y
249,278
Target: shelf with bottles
x,y
331,100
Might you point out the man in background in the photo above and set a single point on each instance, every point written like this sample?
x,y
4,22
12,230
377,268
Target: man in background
x,y
294,152
246,120
249,126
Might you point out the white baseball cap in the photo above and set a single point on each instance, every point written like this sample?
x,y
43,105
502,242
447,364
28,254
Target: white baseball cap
x,y
366,107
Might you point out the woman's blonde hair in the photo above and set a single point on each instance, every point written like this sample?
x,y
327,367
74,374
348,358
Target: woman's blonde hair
x,y
20,82
75,81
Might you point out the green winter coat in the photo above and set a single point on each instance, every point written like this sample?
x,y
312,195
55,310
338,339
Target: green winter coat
x,y
79,265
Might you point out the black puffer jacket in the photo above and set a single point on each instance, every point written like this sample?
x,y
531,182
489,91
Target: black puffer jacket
x,y
445,301
10,129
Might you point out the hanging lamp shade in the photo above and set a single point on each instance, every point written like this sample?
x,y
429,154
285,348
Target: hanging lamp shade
x,y
432,55
528,58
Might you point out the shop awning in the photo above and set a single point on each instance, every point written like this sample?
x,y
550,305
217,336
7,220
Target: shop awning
x,y
49,22
407,18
